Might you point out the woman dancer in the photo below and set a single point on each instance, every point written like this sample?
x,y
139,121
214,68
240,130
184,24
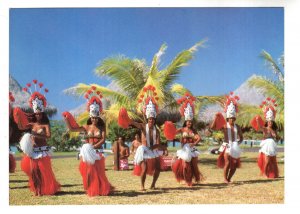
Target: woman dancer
x,y
92,162
186,166
229,158
267,162
36,162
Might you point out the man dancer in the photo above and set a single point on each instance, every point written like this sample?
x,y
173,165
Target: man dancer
x,y
229,158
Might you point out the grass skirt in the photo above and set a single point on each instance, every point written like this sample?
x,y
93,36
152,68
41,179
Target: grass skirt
x,y
272,168
94,179
186,171
41,177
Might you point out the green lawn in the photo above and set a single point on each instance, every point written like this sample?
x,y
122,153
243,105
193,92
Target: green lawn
x,y
248,187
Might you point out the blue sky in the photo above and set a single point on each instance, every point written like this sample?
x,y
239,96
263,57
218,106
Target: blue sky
x,y
62,47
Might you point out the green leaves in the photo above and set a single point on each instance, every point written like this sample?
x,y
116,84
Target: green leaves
x,y
171,72
273,66
130,76
270,88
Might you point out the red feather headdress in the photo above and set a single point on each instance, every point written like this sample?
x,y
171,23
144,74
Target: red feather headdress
x,y
94,104
187,109
37,101
231,105
148,101
269,108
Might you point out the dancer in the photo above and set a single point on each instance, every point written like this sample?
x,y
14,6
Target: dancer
x,y
121,154
92,162
267,154
146,159
230,152
186,166
36,162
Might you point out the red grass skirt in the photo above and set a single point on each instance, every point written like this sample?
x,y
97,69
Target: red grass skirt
x,y
137,169
232,161
94,179
12,163
271,170
41,177
187,171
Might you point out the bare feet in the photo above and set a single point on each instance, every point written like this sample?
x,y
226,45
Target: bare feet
x,y
152,187
226,181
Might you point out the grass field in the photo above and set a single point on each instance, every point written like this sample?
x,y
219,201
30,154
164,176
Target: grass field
x,y
248,186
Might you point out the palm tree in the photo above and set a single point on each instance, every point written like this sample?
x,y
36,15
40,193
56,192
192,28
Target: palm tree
x,y
131,75
271,88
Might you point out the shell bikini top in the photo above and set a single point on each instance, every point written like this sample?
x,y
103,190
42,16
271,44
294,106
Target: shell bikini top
x,y
268,135
40,131
96,134
188,134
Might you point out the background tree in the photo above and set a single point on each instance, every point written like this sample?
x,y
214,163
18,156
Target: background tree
x,y
60,139
272,88
116,131
130,76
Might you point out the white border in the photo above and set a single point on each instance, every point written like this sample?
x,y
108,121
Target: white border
x,y
292,78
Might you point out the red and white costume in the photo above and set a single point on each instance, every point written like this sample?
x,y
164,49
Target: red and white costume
x,y
186,165
36,162
268,146
147,104
92,161
231,147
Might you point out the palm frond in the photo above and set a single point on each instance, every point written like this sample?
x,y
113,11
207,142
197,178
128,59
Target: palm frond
x,y
269,88
281,60
202,102
208,100
272,65
171,72
246,114
80,89
179,89
127,73
156,60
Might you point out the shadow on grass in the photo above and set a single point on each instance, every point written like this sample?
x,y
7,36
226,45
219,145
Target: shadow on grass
x,y
210,161
18,181
62,193
197,187
21,187
113,194
133,193
221,185
207,161
244,159
258,181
